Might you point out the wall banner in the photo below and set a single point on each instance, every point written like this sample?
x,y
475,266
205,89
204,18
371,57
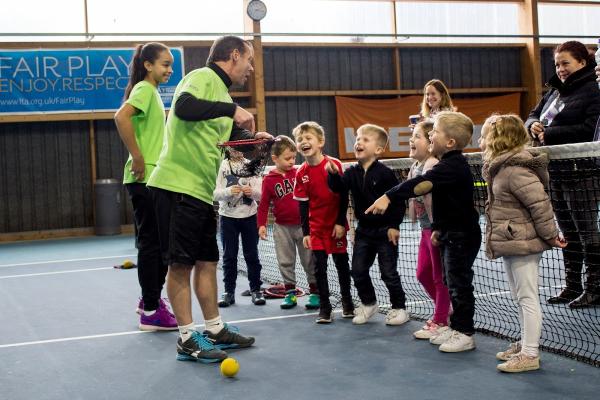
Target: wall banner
x,y
74,80
392,114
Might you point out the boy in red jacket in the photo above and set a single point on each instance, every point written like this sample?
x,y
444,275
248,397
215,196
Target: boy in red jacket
x,y
278,188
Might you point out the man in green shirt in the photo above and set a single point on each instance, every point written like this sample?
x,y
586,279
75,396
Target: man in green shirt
x,y
182,186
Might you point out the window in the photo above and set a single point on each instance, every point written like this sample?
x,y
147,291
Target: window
x,y
37,16
556,19
456,18
326,16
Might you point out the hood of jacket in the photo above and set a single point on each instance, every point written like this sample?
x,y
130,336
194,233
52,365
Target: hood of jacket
x,y
273,174
532,159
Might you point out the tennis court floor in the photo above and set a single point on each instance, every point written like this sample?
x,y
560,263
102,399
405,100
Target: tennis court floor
x,y
69,330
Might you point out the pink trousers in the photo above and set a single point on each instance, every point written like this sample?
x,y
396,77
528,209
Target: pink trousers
x,y
430,275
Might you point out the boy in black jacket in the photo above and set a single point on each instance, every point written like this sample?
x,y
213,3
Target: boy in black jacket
x,y
376,235
455,222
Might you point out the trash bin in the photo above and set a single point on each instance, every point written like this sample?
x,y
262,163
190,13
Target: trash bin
x,y
108,207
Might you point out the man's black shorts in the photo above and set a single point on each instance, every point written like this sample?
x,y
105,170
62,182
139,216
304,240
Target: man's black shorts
x,y
187,227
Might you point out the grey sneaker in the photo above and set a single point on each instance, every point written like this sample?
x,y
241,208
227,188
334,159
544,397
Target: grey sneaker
x,y
227,299
199,348
257,298
229,338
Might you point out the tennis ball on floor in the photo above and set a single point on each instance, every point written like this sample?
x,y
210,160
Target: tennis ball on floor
x,y
230,367
128,264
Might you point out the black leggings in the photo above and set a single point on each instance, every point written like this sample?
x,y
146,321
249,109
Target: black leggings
x,y
151,269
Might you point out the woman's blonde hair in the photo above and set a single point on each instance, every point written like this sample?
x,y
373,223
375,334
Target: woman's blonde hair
x,y
445,103
503,134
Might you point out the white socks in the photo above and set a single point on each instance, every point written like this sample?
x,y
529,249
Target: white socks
x,y
186,331
214,325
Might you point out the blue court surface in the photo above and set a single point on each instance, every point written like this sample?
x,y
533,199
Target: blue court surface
x,y
69,331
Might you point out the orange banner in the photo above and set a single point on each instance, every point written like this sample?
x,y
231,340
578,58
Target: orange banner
x,y
392,114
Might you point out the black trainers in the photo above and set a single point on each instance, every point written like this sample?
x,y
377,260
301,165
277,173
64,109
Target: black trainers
x,y
258,298
325,317
227,299
199,348
229,338
347,309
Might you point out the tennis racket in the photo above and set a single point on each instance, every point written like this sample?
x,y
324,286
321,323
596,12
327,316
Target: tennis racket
x,y
256,152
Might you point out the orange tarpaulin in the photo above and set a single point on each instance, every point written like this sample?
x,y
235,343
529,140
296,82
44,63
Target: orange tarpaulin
x,y
392,114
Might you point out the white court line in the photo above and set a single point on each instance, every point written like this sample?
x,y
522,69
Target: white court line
x,y
105,335
76,338
55,272
67,260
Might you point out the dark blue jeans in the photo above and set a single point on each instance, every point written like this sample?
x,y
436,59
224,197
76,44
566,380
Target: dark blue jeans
x,y
231,230
366,247
151,269
458,251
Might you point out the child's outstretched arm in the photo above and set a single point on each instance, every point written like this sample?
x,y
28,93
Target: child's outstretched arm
x,y
440,175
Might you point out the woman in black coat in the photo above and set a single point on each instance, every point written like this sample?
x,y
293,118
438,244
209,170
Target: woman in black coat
x,y
568,113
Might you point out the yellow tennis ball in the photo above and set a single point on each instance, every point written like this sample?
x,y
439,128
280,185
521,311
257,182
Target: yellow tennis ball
x,y
230,367
127,264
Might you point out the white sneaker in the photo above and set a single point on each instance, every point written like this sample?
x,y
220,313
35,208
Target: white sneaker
x,y
458,342
363,313
428,330
396,316
443,334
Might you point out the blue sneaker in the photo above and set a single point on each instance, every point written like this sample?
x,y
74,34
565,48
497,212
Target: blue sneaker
x,y
200,349
229,338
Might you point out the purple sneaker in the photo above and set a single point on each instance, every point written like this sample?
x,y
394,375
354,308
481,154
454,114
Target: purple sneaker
x,y
140,307
162,320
